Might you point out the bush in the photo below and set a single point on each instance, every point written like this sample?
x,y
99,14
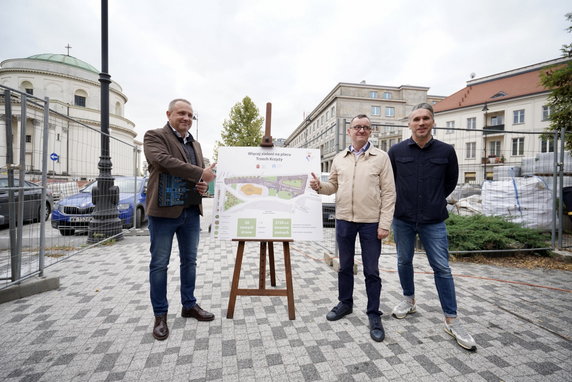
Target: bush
x,y
479,232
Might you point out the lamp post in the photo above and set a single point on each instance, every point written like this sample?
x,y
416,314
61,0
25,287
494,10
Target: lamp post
x,y
196,118
485,110
105,196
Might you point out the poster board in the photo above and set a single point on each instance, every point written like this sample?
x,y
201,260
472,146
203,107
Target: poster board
x,y
264,194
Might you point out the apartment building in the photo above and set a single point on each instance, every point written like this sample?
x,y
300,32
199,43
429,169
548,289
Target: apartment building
x,y
325,127
496,121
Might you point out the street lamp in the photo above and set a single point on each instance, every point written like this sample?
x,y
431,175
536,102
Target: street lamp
x,y
485,110
105,195
196,118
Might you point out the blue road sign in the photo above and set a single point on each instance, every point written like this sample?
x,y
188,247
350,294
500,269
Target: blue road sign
x,y
54,156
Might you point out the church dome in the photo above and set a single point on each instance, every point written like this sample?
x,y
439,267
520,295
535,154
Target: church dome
x,y
64,59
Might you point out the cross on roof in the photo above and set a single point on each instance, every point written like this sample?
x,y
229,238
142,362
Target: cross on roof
x,y
68,47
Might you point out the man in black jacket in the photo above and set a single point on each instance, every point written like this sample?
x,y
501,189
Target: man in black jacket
x,y
426,172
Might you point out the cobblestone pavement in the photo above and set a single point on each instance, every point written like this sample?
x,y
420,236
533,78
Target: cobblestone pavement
x,y
97,326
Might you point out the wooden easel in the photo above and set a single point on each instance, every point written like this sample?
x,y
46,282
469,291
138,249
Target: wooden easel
x,y
264,244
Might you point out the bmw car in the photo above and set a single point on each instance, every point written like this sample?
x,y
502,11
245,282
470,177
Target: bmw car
x,y
74,213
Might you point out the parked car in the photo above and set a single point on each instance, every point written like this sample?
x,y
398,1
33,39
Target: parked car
x,y
74,212
328,205
33,208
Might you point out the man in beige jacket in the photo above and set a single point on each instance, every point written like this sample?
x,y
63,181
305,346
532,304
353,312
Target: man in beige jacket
x,y
362,178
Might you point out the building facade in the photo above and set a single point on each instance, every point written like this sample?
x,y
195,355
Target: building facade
x,y
387,107
73,89
497,121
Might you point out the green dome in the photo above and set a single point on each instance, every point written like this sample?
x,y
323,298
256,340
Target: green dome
x,y
64,59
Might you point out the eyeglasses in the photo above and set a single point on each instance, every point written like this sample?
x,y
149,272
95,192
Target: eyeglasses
x,y
357,127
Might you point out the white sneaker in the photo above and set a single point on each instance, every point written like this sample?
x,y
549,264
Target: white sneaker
x,y
464,339
404,308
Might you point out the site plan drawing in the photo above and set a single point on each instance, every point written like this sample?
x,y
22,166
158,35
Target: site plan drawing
x,y
264,194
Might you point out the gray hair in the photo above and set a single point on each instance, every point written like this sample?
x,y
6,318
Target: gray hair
x,y
360,116
425,106
173,102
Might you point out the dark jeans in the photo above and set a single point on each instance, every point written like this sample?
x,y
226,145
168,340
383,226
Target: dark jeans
x,y
346,233
162,231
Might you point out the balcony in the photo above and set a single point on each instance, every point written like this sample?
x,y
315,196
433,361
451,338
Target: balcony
x,y
493,159
496,129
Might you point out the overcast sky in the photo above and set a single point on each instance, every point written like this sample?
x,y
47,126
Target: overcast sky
x,y
290,53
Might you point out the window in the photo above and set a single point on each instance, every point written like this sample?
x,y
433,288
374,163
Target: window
x,y
518,146
450,126
518,116
495,148
28,139
387,95
58,137
79,101
547,146
389,111
472,123
471,150
372,94
545,112
376,110
470,176
27,87
497,120
80,97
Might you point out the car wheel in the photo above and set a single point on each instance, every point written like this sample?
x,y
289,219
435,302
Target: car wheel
x,y
138,218
67,232
44,212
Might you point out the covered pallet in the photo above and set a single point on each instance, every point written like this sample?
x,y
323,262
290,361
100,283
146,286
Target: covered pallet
x,y
526,201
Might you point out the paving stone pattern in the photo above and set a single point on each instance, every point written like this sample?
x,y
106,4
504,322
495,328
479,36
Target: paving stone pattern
x,y
97,326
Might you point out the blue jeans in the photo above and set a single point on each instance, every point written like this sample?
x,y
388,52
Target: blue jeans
x,y
346,233
162,230
434,239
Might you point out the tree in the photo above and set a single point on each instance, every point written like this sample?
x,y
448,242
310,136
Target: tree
x,y
243,128
559,79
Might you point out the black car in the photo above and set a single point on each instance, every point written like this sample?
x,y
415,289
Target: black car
x,y
328,205
33,208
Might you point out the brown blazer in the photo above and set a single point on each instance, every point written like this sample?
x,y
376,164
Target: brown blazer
x,y
165,154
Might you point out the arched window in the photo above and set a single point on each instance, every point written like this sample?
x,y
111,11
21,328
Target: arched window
x,y
27,87
80,97
118,109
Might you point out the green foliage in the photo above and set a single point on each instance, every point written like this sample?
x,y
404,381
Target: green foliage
x,y
244,126
558,78
479,232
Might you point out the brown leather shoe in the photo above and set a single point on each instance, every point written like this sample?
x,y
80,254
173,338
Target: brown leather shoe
x,y
198,313
161,330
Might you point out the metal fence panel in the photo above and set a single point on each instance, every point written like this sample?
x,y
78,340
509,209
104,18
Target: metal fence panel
x,y
43,162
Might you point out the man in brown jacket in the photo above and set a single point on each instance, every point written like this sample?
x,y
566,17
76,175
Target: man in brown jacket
x,y
175,162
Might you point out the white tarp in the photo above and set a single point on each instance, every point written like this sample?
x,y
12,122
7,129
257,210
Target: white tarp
x,y
526,201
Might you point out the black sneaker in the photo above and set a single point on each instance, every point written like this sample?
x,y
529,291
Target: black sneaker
x,y
338,312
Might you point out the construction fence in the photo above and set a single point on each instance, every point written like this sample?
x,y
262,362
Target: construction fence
x,y
49,164
522,176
